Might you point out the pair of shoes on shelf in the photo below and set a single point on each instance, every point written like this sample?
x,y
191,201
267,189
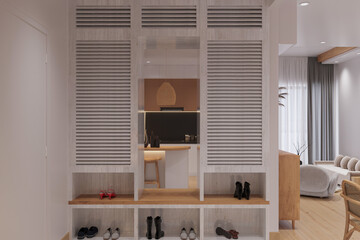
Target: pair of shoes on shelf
x,y
159,233
108,193
87,232
232,234
111,235
185,236
240,193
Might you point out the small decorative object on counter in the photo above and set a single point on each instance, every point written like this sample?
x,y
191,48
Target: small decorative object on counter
x,y
146,141
156,142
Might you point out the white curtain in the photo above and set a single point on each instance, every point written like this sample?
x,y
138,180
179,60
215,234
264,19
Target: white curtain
x,y
293,131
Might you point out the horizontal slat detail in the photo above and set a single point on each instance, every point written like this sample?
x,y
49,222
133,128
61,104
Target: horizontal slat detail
x,y
103,16
235,17
234,98
169,17
103,103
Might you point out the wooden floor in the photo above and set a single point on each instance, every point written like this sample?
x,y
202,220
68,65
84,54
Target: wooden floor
x,y
320,219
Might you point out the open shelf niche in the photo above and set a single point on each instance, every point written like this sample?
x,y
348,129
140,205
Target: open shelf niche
x,y
173,220
104,218
222,186
86,186
249,222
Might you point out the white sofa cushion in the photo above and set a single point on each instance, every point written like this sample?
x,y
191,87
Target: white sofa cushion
x,y
338,160
352,163
344,162
357,166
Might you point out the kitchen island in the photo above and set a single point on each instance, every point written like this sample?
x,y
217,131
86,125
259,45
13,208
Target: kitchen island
x,y
173,168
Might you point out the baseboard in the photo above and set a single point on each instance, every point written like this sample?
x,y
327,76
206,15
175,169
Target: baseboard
x,y
274,235
66,237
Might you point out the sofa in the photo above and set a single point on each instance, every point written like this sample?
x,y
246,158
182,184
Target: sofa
x,y
345,167
316,181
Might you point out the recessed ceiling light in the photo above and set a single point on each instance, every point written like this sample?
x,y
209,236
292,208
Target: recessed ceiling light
x,y
336,61
147,62
358,53
304,4
322,42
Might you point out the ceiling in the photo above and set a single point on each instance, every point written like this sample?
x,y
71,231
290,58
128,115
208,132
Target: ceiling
x,y
334,21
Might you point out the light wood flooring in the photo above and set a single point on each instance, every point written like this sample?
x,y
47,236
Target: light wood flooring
x,y
320,219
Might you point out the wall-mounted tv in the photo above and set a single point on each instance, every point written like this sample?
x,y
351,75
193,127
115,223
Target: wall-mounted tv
x,y
171,127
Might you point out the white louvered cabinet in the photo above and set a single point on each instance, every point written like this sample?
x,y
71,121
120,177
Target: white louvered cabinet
x,y
102,99
234,102
103,103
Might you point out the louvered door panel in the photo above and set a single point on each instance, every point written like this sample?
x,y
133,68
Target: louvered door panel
x,y
103,16
169,17
235,17
103,103
234,103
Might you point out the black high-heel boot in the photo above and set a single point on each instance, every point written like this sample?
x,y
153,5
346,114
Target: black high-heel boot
x,y
159,234
238,190
246,193
149,222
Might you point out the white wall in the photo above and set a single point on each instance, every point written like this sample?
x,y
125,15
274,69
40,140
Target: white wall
x,y
53,16
348,80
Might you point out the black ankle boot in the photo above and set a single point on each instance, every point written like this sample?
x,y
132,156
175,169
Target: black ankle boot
x,y
149,222
238,190
159,234
246,193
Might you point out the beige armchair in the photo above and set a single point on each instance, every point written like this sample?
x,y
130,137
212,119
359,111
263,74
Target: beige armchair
x,y
351,195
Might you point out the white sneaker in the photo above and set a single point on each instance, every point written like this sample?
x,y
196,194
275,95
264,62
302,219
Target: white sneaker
x,y
192,234
107,234
183,234
116,234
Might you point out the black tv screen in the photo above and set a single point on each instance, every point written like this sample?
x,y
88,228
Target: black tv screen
x,y
171,127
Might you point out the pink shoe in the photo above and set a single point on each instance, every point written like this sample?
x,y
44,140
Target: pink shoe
x,y
102,194
110,193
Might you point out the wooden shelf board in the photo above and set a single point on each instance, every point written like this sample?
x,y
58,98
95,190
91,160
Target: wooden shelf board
x,y
94,199
168,197
165,238
240,237
230,200
167,148
101,238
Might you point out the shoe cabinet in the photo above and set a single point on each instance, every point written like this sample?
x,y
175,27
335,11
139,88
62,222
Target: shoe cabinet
x,y
249,222
107,39
173,220
104,218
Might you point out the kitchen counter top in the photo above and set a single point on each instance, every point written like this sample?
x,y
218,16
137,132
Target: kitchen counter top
x,y
168,148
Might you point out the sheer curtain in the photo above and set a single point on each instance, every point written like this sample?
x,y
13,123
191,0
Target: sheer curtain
x,y
293,130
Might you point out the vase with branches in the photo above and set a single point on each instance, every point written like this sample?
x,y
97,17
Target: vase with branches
x,y
282,95
300,149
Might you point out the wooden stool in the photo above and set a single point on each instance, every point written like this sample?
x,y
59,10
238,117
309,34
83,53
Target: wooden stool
x,y
148,160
